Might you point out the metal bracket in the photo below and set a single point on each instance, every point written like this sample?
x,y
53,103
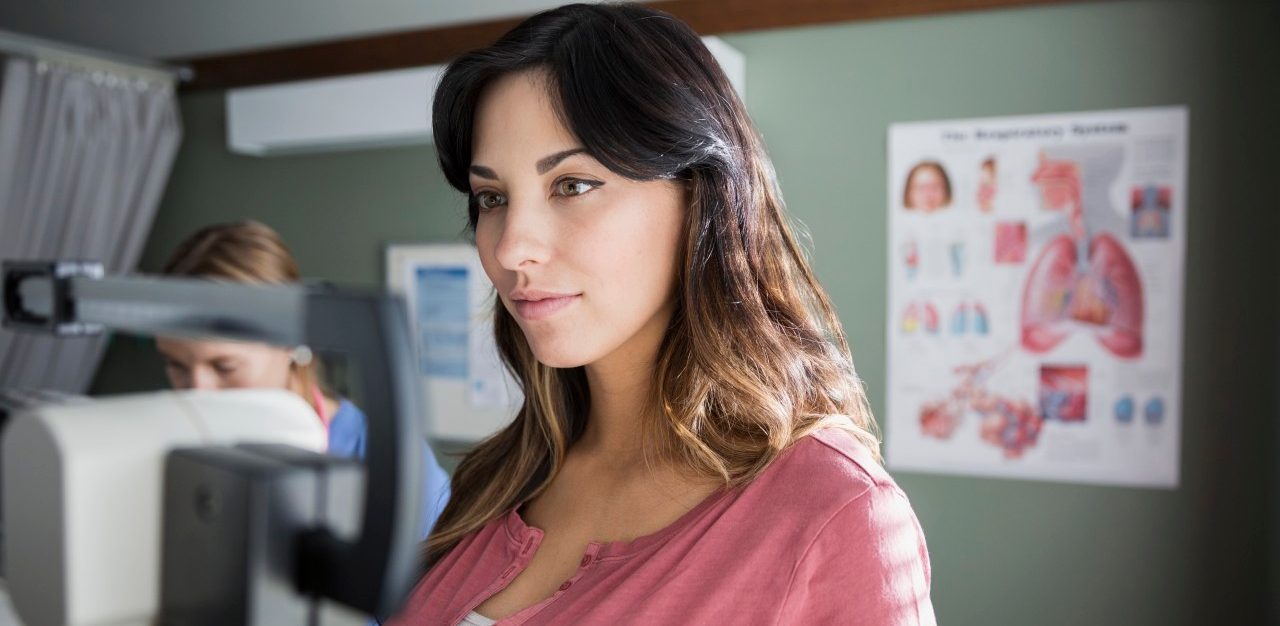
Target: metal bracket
x,y
62,320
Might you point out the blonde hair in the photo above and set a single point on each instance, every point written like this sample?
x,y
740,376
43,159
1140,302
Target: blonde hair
x,y
244,252
754,358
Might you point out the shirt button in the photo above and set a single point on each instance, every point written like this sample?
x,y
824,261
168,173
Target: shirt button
x,y
565,586
585,560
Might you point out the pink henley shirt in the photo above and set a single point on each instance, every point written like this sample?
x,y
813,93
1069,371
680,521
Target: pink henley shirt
x,y
822,536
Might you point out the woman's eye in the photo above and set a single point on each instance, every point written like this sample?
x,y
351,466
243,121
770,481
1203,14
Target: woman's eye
x,y
486,200
574,187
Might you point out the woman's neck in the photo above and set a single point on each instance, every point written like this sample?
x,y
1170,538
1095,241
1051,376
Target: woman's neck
x,y
312,395
619,402
621,388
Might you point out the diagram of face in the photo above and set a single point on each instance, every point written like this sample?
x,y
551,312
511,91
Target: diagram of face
x,y
928,188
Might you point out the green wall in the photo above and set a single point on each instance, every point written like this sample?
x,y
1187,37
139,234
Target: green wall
x,y
1004,552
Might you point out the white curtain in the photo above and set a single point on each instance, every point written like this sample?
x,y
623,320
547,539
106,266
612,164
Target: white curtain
x,y
83,160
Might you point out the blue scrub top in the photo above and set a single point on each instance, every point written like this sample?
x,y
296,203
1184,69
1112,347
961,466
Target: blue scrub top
x,y
347,438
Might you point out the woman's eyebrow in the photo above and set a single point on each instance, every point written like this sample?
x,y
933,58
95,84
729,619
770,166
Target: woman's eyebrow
x,y
484,172
546,163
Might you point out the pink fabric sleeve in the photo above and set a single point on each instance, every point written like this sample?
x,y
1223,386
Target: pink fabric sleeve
x,y
868,565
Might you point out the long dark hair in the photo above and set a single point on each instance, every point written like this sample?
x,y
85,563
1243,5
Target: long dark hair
x,y
754,358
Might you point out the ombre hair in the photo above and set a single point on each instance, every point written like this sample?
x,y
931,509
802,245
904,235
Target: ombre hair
x,y
754,358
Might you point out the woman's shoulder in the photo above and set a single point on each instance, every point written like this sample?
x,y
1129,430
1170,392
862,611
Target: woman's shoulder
x,y
829,461
347,430
348,419
348,411
863,550
825,495
824,473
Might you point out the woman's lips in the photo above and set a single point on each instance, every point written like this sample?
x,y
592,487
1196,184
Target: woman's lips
x,y
535,310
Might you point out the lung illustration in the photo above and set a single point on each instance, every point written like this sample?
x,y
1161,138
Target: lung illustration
x,y
1080,283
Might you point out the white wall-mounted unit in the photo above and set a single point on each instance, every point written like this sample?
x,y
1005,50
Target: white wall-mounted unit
x,y
379,109
360,111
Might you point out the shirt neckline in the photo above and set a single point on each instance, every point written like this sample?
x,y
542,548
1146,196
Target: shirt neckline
x,y
520,532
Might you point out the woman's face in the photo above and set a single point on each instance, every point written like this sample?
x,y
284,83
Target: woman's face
x,y
582,258
224,364
926,189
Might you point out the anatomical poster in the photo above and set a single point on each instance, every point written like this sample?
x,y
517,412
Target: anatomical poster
x,y
468,393
1036,296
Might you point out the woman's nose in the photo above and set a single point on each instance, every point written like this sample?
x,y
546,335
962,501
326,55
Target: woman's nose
x,y
525,235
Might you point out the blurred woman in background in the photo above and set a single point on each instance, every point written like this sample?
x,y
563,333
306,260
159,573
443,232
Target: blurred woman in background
x,y
251,252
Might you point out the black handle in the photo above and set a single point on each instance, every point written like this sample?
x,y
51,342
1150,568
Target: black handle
x,y
376,571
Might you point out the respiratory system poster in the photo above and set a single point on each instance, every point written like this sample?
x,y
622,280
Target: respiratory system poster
x,y
1035,296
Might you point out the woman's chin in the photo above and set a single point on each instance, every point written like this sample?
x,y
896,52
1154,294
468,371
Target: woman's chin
x,y
559,361
560,357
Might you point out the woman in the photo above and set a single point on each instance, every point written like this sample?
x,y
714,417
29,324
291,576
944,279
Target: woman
x,y
251,252
695,446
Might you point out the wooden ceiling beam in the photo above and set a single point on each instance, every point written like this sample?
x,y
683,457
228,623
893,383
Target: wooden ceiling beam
x,y
430,46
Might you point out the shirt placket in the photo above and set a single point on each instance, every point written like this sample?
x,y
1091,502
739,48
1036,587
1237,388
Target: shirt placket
x,y
589,558
522,561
